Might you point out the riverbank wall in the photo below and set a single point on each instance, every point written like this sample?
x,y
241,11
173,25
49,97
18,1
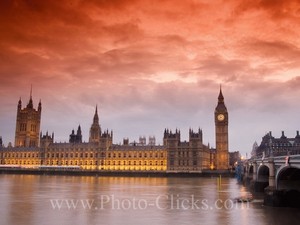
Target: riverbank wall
x,y
98,173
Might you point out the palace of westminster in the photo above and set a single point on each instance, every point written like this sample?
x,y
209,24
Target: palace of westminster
x,y
32,149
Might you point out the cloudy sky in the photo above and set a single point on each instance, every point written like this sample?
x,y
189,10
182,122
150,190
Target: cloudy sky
x,y
151,65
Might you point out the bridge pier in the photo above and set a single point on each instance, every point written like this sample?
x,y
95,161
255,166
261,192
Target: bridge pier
x,y
248,176
254,171
258,184
272,184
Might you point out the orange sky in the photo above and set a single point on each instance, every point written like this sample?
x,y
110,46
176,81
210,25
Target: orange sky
x,y
151,65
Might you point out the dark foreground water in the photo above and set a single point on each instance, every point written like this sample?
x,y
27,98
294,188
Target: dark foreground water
x,y
34,199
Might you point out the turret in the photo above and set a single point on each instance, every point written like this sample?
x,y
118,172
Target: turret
x,y
282,135
106,138
75,138
169,137
79,135
19,105
79,131
30,103
40,106
195,135
46,140
95,130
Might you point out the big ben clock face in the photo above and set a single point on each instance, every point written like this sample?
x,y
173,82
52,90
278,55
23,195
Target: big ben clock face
x,y
221,117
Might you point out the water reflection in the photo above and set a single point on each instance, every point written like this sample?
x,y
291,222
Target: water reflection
x,y
28,199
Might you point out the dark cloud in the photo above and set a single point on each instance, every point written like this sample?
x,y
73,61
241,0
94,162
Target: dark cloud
x,y
276,9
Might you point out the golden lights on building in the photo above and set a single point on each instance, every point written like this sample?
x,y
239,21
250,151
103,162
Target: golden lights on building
x,y
33,149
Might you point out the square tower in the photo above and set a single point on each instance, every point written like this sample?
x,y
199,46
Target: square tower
x,y
28,124
221,129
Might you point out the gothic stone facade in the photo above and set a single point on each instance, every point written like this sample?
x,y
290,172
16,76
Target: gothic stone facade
x,y
33,149
271,145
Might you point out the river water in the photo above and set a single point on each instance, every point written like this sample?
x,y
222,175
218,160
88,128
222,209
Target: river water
x,y
34,199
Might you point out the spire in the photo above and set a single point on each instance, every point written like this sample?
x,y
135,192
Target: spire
x,y
79,130
20,104
221,98
30,104
221,108
31,92
40,105
96,118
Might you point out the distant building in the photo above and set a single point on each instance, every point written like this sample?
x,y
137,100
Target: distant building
x,y
34,149
277,146
234,157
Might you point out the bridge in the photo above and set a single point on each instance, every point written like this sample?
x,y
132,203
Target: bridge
x,y
277,176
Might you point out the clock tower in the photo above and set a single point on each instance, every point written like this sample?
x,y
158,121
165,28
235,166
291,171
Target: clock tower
x,y
221,128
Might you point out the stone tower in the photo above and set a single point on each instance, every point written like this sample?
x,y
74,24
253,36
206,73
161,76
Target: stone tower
x,y
28,124
221,129
95,130
172,143
76,138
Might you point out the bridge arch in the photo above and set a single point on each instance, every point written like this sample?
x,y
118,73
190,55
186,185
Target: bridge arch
x,y
250,171
263,173
288,177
